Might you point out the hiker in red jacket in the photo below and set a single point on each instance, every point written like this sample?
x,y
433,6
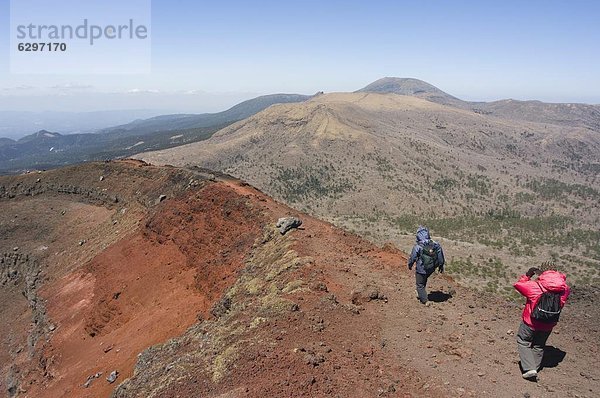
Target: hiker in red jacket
x,y
533,333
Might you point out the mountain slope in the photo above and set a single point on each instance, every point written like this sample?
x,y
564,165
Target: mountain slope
x,y
569,115
44,150
382,164
198,294
179,122
383,137
6,141
16,124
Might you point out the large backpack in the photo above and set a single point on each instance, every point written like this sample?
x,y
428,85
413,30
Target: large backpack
x,y
429,255
547,309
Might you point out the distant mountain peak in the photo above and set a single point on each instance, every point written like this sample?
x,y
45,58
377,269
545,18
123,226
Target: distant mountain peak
x,y
40,135
46,134
412,87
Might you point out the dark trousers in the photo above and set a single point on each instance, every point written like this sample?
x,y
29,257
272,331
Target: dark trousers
x,y
421,280
531,345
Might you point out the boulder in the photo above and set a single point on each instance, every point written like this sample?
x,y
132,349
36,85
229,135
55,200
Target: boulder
x,y
287,223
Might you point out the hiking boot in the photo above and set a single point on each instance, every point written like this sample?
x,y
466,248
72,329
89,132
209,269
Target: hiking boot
x,y
530,374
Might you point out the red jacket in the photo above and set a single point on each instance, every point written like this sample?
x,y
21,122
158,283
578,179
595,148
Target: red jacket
x,y
552,281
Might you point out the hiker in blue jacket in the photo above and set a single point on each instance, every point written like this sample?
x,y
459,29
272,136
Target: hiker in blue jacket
x,y
428,255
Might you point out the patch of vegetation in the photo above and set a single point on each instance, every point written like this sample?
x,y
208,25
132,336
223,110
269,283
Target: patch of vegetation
x,y
527,234
299,184
479,183
524,197
492,269
444,184
551,189
491,274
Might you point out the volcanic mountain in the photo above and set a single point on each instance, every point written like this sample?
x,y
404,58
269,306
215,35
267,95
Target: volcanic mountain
x,y
128,280
570,115
45,149
381,164
413,87
364,149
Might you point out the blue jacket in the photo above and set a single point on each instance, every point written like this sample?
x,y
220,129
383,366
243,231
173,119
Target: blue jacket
x,y
415,256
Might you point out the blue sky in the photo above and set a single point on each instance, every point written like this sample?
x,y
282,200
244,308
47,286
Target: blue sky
x,y
476,50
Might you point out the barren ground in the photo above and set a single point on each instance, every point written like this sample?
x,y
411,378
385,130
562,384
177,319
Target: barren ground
x,y
201,296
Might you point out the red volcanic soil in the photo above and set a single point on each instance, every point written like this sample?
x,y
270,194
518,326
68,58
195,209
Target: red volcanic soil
x,y
355,329
144,289
199,295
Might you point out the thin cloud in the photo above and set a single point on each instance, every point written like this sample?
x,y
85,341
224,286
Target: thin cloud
x,y
19,88
72,86
141,91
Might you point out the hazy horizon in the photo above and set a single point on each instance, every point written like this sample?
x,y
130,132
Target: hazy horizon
x,y
208,56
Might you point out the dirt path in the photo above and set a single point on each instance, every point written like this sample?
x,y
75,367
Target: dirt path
x,y
464,344
318,312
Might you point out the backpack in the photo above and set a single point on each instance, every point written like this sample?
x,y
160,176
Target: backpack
x,y
429,255
547,309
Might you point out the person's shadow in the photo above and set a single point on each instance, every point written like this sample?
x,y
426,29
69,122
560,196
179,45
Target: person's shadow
x,y
552,357
438,297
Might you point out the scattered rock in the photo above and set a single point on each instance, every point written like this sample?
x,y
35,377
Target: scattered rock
x,y
287,223
375,294
319,326
320,286
314,359
368,293
221,307
113,376
101,178
455,349
91,378
455,337
161,198
355,309
331,298
510,332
